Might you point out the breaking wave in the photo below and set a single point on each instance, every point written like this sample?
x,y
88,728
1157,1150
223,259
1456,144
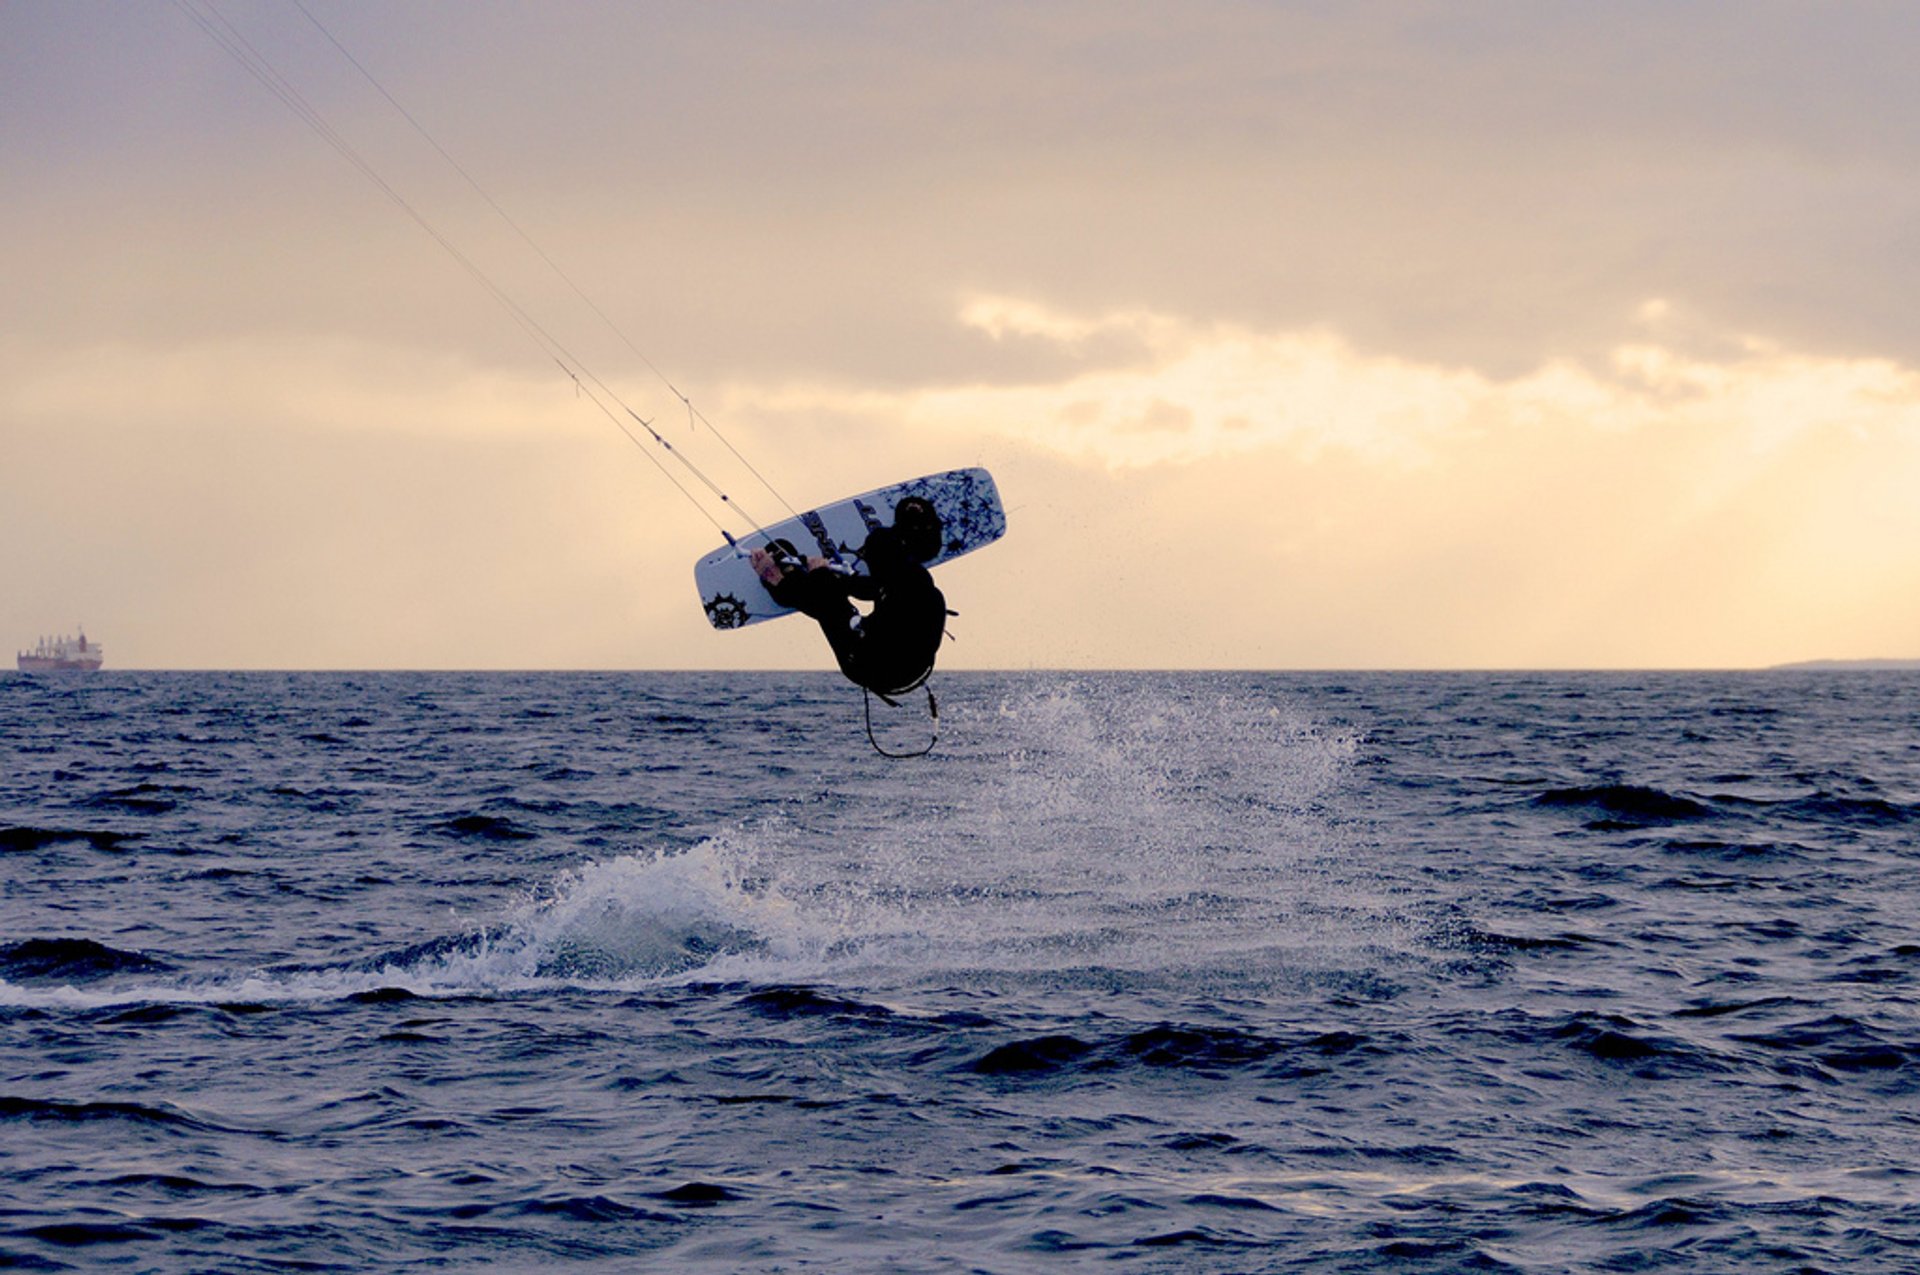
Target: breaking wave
x,y
624,921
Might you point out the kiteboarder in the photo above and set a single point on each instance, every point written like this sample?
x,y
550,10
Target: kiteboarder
x,y
891,648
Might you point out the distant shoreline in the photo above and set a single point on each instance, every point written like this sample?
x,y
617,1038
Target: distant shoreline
x,y
1866,666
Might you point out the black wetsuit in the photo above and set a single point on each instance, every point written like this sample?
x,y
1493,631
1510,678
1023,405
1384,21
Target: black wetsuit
x,y
892,648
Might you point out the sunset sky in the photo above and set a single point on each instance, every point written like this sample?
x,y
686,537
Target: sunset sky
x,y
1316,335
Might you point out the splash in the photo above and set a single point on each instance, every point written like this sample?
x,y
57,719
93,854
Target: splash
x,y
647,917
1105,826
622,922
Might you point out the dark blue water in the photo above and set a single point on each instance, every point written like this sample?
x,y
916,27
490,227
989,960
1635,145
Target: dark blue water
x,y
1191,972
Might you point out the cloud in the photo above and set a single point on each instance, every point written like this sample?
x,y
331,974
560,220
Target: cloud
x,y
1184,390
1182,491
322,384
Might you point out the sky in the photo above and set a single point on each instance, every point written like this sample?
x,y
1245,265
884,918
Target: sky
x,y
1296,335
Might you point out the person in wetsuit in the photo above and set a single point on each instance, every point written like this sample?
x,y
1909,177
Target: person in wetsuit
x,y
891,648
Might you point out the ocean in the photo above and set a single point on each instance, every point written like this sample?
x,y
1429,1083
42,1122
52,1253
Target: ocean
x,y
1216,972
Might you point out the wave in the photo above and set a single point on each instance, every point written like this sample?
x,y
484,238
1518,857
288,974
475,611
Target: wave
x,y
1476,938
1838,1047
479,827
584,1208
625,922
1626,805
28,838
799,1002
1201,1051
1854,812
1763,854
698,1195
179,1184
142,798
45,1109
71,960
1620,1041
74,1235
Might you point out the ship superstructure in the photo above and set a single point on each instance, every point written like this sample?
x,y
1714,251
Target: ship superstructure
x,y
56,654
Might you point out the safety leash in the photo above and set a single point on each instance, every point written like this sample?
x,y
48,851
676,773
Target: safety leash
x,y
933,714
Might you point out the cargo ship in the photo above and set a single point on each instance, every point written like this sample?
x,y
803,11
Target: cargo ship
x,y
61,653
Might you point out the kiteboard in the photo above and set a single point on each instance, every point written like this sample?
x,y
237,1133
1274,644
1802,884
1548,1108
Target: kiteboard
x,y
970,516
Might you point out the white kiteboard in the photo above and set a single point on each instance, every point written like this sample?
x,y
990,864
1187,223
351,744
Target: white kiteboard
x,y
970,517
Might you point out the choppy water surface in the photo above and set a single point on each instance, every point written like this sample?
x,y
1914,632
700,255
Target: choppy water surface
x,y
1196,972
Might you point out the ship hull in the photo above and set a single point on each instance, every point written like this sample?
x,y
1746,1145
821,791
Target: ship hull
x,y
43,664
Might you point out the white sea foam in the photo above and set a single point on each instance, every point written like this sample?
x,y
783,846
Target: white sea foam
x,y
619,922
1103,822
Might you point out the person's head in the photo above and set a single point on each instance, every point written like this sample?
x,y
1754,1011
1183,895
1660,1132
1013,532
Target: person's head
x,y
918,524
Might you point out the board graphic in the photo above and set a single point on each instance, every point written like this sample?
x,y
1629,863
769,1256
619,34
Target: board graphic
x,y
970,517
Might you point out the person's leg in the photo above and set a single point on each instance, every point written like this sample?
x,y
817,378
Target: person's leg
x,y
820,595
